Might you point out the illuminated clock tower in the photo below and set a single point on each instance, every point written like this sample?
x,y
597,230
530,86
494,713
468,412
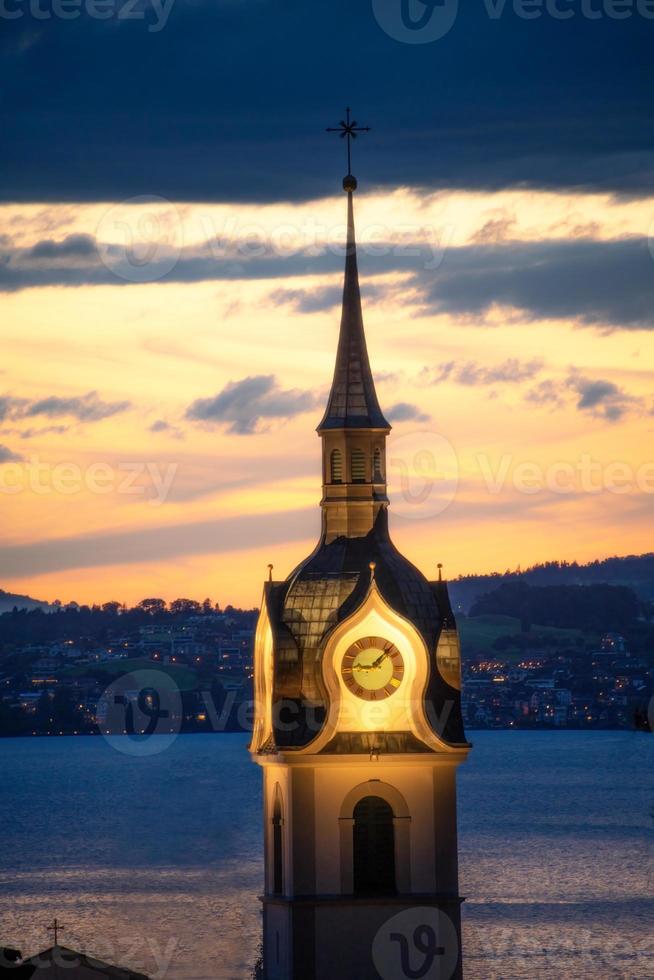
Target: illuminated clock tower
x,y
358,723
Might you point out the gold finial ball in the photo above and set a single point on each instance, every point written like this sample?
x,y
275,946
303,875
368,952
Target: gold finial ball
x,y
350,183
372,566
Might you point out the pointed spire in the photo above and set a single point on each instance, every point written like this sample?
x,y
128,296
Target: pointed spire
x,y
353,400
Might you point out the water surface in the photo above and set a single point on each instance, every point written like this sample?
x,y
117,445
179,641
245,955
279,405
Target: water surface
x,y
155,861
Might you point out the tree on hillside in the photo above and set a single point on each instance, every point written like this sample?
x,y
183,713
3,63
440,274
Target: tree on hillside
x,y
152,606
186,606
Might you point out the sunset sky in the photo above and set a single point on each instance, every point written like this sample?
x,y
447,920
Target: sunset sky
x,y
171,252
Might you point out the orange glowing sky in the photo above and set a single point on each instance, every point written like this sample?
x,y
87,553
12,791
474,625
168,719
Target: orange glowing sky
x,y
543,420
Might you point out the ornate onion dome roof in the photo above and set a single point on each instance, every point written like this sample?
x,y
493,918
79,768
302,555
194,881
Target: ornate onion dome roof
x,y
326,588
353,400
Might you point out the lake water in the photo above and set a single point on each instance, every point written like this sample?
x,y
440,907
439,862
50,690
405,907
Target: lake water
x,y
155,861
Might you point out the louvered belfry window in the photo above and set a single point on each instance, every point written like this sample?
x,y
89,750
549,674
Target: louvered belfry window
x,y
336,466
358,466
378,476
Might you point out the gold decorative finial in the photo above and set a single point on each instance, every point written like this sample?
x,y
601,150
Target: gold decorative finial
x,y
440,571
270,571
372,566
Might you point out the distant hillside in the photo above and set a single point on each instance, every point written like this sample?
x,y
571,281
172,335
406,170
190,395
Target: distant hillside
x,y
596,607
9,600
633,571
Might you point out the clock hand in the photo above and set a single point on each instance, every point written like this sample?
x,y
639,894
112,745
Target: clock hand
x,y
378,662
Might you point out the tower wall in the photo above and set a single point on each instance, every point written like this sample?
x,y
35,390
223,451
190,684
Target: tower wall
x,y
317,929
348,940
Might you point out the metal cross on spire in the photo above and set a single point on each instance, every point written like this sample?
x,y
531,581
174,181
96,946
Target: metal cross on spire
x,y
55,928
348,128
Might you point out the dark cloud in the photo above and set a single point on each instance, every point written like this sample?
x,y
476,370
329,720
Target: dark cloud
x,y
84,408
511,371
405,412
160,425
242,405
308,300
47,430
498,101
601,398
387,377
596,283
598,397
322,298
9,406
144,260
8,456
546,392
72,246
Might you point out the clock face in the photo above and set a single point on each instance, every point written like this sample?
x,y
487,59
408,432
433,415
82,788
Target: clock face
x,y
372,668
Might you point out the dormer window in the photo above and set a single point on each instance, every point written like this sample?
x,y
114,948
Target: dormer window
x,y
336,466
358,466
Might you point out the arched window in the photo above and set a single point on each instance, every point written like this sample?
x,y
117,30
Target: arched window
x,y
358,466
336,466
278,853
378,476
374,847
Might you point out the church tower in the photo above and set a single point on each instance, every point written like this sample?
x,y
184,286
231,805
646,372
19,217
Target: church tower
x,y
358,726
